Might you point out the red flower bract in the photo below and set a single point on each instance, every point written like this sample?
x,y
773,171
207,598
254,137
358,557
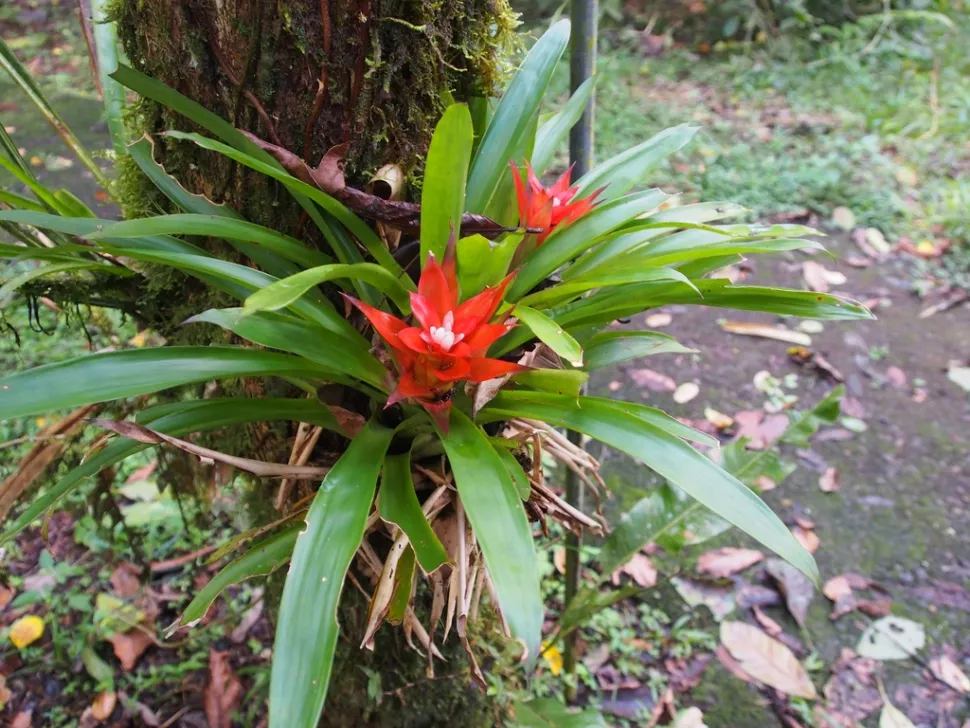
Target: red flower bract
x,y
449,341
549,207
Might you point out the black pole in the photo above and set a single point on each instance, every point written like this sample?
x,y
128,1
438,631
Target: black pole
x,y
582,62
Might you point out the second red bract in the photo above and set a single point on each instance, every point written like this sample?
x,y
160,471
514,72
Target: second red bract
x,y
547,208
448,342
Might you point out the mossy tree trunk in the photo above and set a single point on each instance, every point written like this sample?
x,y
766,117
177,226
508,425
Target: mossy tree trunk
x,y
307,75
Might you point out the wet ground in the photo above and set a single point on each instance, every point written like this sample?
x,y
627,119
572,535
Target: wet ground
x,y
902,514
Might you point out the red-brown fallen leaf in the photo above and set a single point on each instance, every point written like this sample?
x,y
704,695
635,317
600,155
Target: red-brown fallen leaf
x,y
6,594
819,278
130,646
143,472
837,587
124,580
764,483
897,377
767,623
794,586
104,705
725,562
919,395
610,679
223,694
730,664
652,380
876,608
5,693
807,538
945,670
859,261
640,569
830,481
559,559
805,522
852,407
850,694
840,590
659,320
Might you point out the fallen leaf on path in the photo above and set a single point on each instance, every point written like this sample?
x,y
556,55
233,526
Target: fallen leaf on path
x,y
897,377
686,392
805,357
223,694
892,638
859,261
877,240
850,694
766,660
893,717
142,473
26,630
830,481
720,420
811,326
104,704
794,586
725,562
807,538
659,320
249,618
6,594
767,331
853,408
690,718
837,588
803,522
615,386
610,679
652,380
819,278
597,657
959,376
764,483
718,599
23,719
954,298
5,693
770,626
876,608
640,569
946,670
730,664
129,646
919,395
755,595
843,218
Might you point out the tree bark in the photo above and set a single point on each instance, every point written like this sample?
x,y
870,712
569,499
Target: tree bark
x,y
307,75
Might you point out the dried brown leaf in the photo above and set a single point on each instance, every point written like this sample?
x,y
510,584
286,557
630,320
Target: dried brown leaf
x,y
686,392
652,380
223,694
819,278
640,569
727,561
124,580
104,704
770,626
766,660
807,538
795,587
129,646
897,377
830,481
767,331
658,320
947,671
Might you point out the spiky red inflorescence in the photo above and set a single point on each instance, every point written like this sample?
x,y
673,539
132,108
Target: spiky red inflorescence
x,y
449,341
547,208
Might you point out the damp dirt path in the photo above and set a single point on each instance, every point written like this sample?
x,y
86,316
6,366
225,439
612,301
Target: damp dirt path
x,y
902,515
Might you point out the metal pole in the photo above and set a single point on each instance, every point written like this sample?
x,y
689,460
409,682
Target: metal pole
x,y
582,61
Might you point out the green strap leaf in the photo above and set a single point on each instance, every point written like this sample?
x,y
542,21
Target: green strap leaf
x,y
669,456
285,292
120,374
305,640
107,50
566,243
445,175
554,131
495,511
551,334
519,478
177,418
616,274
614,347
399,505
512,117
630,168
558,381
261,560
222,226
280,331
11,286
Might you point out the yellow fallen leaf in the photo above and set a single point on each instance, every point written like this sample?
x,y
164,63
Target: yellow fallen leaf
x,y
36,161
139,339
552,657
26,630
104,705
925,247
720,420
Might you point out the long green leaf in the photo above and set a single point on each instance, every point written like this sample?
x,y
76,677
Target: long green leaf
x,y
551,334
565,244
630,168
106,49
695,244
445,176
30,182
120,374
512,117
280,331
218,227
614,275
551,713
399,505
496,513
305,640
10,287
667,455
152,89
21,77
553,132
177,418
285,292
20,202
261,560
341,212
614,347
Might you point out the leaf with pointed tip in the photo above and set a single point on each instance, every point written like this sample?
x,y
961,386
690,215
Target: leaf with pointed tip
x,y
614,347
399,505
552,133
550,334
445,176
305,642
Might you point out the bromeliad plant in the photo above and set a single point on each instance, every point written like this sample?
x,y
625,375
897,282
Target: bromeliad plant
x,y
461,377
